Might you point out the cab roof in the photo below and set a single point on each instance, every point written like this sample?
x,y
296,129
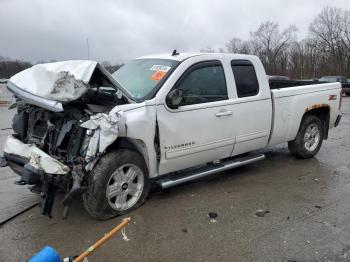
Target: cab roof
x,y
179,57
183,56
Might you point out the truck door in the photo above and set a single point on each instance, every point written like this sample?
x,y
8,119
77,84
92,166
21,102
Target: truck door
x,y
252,107
201,129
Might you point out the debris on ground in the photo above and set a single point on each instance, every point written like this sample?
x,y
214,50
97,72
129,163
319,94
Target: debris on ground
x,y
125,237
308,242
316,179
317,206
213,216
261,212
184,230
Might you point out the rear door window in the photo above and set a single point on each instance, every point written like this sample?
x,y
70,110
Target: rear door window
x,y
245,77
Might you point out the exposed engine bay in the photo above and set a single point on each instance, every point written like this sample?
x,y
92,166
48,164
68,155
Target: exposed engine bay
x,y
60,133
54,148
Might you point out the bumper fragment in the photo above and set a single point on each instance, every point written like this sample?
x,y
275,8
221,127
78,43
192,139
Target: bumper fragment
x,y
337,121
36,168
37,158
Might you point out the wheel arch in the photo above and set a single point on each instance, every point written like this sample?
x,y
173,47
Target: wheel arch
x,y
321,111
136,145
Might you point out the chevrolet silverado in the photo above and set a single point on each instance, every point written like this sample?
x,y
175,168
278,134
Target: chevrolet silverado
x,y
162,119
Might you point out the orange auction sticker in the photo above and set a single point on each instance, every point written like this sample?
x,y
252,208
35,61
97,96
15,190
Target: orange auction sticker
x,y
158,75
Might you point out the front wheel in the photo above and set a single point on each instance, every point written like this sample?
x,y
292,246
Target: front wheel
x,y
119,183
309,138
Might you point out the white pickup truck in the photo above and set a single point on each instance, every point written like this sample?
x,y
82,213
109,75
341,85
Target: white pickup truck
x,y
164,119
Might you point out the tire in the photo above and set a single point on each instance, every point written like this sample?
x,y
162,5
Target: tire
x,y
119,183
303,146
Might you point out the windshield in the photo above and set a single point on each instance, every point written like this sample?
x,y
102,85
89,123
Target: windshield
x,y
141,76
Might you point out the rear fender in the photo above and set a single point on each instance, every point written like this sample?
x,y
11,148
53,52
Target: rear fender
x,y
322,111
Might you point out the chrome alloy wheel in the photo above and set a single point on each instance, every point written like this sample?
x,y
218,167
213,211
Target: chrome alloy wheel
x,y
312,137
125,187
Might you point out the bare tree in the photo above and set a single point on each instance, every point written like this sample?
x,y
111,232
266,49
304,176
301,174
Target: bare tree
x,y
270,44
234,45
325,51
331,30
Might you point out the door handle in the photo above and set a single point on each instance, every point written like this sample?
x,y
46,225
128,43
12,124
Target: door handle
x,y
224,113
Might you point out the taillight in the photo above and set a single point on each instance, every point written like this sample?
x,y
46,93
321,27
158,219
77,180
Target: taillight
x,y
341,99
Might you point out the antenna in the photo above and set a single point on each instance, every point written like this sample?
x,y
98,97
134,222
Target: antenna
x,y
175,53
88,48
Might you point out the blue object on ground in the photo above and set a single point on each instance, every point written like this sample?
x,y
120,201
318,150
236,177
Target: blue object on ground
x,y
47,254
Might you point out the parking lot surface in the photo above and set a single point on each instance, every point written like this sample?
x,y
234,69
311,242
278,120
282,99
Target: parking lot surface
x,y
304,216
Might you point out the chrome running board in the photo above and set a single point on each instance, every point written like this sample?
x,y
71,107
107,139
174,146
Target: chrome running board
x,y
193,174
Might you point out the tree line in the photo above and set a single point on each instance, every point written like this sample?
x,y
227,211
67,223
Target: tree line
x,y
325,50
10,67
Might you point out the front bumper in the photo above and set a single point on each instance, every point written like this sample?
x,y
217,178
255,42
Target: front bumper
x,y
37,168
29,175
20,152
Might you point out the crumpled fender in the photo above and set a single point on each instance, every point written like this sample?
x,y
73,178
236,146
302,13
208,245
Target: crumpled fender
x,y
103,130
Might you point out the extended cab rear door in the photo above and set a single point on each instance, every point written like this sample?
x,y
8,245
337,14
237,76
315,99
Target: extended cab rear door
x,y
202,128
252,105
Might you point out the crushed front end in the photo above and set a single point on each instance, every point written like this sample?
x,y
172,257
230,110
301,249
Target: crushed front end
x,y
57,142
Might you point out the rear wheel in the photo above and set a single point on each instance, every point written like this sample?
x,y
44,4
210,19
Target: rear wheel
x,y
309,138
119,183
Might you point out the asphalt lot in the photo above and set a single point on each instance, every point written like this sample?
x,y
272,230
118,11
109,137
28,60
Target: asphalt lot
x,y
307,200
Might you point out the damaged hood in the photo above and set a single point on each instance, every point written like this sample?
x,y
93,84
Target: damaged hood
x,y
54,83
61,81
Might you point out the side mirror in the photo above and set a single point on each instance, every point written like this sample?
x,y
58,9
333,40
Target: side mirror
x,y
174,98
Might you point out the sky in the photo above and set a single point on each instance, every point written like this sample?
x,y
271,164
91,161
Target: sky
x,y
117,31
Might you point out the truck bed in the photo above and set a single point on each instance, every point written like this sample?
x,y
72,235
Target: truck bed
x,y
290,104
279,84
